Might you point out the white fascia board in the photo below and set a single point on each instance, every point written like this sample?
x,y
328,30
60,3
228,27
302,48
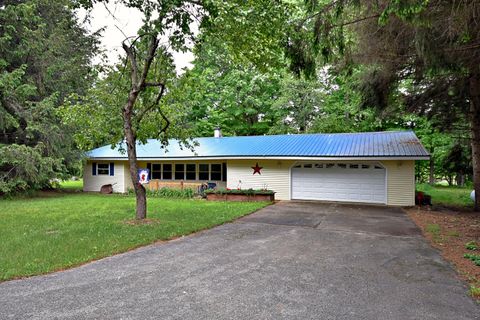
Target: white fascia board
x,y
271,158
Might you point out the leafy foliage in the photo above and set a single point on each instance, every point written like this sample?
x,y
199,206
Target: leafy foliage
x,y
44,56
417,56
165,192
218,91
472,245
239,191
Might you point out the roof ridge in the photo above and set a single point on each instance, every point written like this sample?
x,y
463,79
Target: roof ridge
x,y
301,134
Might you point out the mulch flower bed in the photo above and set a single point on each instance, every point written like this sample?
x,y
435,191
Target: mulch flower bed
x,y
449,231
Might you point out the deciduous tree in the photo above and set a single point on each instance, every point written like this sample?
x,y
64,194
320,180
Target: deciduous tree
x,y
432,45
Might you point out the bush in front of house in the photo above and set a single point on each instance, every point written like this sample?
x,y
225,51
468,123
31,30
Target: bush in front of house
x,y
239,191
186,193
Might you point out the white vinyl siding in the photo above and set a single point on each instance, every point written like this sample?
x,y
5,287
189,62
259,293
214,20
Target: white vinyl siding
x,y
127,179
400,182
93,183
275,175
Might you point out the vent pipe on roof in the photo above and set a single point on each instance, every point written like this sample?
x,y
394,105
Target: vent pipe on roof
x,y
217,133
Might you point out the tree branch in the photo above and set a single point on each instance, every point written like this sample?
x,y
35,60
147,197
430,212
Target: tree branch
x,y
153,84
133,62
149,59
154,104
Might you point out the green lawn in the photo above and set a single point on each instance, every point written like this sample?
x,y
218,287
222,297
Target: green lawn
x,y
448,196
71,185
44,234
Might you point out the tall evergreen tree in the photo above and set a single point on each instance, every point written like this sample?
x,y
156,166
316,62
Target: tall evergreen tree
x,y
45,55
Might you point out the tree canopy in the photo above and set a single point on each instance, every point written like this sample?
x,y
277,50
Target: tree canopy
x,y
45,55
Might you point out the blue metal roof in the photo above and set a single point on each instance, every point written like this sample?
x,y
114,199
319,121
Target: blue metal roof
x,y
403,144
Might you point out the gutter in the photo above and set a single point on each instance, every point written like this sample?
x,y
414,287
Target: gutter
x,y
313,158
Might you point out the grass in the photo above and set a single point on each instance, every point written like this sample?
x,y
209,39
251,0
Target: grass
x,y
44,234
433,228
452,196
474,291
71,185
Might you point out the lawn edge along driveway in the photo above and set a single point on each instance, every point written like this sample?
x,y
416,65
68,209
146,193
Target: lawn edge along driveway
x,y
61,231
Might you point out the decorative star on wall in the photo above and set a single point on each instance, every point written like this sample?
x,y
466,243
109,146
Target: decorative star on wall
x,y
257,169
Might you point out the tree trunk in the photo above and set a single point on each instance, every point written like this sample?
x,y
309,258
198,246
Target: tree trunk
x,y
131,141
449,180
431,179
474,88
139,83
460,178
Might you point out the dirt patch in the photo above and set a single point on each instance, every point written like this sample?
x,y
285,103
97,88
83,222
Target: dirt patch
x,y
449,231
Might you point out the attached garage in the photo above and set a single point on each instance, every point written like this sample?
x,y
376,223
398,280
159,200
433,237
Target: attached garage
x,y
339,181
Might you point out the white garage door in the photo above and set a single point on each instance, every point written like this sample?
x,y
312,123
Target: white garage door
x,y
357,182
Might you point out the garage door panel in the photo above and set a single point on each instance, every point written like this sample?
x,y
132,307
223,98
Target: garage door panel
x,y
339,184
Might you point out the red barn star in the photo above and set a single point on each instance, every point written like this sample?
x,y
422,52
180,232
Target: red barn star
x,y
257,169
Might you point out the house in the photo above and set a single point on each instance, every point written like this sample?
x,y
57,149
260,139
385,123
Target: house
x,y
368,167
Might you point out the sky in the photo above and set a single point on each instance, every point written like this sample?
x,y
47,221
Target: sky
x,y
119,22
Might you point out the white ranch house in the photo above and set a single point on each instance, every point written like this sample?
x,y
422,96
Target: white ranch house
x,y
373,167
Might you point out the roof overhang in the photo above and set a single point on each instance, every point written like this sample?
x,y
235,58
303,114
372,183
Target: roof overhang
x,y
294,158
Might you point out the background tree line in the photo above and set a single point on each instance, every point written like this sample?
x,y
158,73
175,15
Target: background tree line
x,y
261,67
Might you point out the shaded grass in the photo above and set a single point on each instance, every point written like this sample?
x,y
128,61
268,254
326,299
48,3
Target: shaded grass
x,y
452,196
44,234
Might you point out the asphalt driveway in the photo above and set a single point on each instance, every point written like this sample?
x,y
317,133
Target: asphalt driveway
x,y
293,260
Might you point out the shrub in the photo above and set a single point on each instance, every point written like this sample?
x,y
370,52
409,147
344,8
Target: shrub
x,y
474,257
239,191
472,245
186,193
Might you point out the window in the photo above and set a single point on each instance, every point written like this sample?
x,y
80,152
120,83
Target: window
x,y
203,172
103,169
365,166
354,166
224,168
378,167
308,165
318,165
216,172
179,171
156,171
298,166
167,171
329,165
191,172
342,165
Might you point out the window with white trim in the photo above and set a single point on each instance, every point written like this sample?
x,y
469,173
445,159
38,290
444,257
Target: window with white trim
x,y
215,171
191,171
167,171
156,171
203,171
179,171
103,169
